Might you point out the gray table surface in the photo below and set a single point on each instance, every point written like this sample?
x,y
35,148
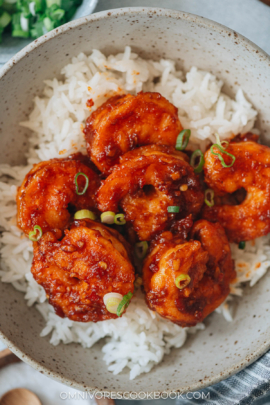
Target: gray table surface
x,y
250,18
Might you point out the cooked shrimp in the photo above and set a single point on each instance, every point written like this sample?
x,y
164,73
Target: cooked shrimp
x,y
48,194
124,122
79,270
147,182
202,268
250,171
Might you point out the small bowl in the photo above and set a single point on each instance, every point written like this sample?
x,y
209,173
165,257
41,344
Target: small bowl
x,y
9,46
222,348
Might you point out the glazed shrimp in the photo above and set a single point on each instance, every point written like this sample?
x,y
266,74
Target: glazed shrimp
x,y
149,180
185,281
124,122
78,271
48,194
250,171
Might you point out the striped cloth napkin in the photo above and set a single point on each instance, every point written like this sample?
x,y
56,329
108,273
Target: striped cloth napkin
x,y
242,388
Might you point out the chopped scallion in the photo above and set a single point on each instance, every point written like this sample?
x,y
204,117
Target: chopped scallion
x,y
119,219
220,156
141,249
32,234
173,209
197,161
112,301
182,281
209,197
182,139
86,183
242,245
107,217
84,214
124,303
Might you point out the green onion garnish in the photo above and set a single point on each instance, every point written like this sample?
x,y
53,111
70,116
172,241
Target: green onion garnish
x,y
182,281
219,155
242,245
111,301
124,303
119,219
34,232
84,214
107,217
141,249
209,197
221,143
86,183
173,209
182,139
198,167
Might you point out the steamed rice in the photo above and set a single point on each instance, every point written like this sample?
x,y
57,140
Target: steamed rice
x,y
140,338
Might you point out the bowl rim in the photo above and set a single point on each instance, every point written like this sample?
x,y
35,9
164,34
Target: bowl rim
x,y
163,12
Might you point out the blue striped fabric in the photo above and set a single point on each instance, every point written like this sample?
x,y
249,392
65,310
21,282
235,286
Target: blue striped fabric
x,y
242,388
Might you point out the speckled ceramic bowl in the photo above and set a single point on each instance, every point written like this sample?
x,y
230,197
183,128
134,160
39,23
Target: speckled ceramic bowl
x,y
223,348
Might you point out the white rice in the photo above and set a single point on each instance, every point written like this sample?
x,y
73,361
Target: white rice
x,y
140,338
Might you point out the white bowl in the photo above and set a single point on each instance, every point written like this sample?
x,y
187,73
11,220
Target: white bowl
x,y
222,348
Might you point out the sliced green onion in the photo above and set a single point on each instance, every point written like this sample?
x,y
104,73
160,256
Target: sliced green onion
x,y
107,217
124,303
173,209
182,139
51,2
221,143
48,24
86,183
182,281
209,197
219,155
119,219
112,301
58,14
84,214
5,19
24,23
34,232
141,249
32,7
242,245
199,166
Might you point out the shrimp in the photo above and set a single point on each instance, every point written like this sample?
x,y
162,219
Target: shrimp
x,y
251,172
201,267
48,196
146,183
78,270
126,121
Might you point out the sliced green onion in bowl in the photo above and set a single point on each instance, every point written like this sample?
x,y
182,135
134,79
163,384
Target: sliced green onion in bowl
x,y
107,217
32,234
5,19
220,156
86,183
124,303
209,197
182,139
242,245
112,301
182,281
197,155
141,249
119,219
84,214
174,209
